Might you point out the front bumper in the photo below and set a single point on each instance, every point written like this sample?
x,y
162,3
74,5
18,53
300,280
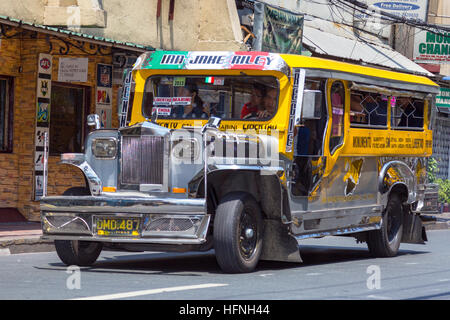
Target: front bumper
x,y
163,220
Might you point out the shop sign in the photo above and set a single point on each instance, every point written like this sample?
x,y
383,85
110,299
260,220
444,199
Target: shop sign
x,y
430,47
443,99
73,69
407,9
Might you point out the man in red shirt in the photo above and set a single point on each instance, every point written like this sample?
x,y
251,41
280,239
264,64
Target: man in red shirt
x,y
255,102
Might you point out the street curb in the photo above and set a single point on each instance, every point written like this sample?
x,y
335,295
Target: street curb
x,y
25,245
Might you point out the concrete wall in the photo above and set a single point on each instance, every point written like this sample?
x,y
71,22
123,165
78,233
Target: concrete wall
x,y
196,24
28,10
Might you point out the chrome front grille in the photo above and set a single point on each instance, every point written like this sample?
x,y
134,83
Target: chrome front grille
x,y
142,160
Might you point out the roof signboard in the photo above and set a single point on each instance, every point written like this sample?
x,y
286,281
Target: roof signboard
x,y
212,60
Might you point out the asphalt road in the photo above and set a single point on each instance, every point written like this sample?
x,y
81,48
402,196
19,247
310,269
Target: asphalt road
x,y
333,268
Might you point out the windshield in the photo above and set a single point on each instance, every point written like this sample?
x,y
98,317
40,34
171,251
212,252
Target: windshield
x,y
199,97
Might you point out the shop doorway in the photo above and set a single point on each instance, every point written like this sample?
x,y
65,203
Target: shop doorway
x,y
68,109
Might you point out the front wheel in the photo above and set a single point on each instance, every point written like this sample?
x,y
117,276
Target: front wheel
x,y
385,242
238,233
79,253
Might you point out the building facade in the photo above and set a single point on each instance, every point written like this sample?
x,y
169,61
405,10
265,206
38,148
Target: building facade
x,y
49,83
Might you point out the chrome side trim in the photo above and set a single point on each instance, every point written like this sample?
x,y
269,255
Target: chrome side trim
x,y
79,161
406,176
337,232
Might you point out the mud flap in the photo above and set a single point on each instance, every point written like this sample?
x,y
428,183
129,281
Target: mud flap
x,y
278,245
413,229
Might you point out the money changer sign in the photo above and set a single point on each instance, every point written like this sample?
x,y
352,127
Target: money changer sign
x,y
432,47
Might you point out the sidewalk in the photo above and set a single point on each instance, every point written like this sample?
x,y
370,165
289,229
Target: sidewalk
x,y
25,237
22,237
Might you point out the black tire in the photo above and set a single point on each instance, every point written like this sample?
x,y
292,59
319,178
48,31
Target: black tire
x,y
77,191
79,253
385,242
74,252
238,233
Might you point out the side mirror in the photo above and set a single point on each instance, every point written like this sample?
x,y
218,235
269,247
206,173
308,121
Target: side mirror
x,y
312,102
93,120
213,122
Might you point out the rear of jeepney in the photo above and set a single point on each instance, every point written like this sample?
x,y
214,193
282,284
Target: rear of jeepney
x,y
144,181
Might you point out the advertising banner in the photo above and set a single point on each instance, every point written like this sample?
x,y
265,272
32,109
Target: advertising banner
x,y
43,93
277,30
104,94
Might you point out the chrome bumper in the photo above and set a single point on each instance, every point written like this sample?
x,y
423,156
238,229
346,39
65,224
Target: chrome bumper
x,y
162,220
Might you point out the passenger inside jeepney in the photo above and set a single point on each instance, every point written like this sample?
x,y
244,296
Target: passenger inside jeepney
x,y
268,105
251,108
196,108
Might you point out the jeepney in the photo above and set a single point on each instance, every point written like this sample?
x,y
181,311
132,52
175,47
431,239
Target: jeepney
x,y
248,153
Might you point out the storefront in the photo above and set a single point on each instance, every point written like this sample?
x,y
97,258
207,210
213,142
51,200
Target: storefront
x,y
50,80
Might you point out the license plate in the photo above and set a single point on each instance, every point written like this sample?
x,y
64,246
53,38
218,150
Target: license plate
x,y
117,226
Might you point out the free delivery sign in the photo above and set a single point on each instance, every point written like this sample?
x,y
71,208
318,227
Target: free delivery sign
x,y
408,9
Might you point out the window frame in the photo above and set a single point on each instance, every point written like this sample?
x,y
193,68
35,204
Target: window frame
x,y
85,110
329,86
9,118
145,96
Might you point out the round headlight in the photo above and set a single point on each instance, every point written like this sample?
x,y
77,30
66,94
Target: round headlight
x,y
104,148
186,149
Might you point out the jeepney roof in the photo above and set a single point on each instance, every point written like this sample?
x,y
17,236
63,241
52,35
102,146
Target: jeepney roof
x,y
387,76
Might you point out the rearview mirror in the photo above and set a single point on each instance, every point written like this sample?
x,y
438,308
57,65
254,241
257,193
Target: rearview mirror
x,y
213,122
312,102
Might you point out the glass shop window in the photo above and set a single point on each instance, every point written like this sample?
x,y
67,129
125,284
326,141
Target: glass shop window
x,y
67,118
6,113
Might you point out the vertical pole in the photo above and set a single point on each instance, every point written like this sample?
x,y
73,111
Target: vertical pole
x,y
44,187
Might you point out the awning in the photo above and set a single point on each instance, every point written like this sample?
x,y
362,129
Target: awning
x,y
343,43
74,35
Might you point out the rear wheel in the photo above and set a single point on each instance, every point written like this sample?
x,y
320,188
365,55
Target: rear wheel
x,y
238,233
74,252
385,242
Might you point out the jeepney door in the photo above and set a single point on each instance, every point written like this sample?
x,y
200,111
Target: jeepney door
x,y
305,179
350,181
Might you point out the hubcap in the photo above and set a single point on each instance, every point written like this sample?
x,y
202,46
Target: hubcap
x,y
247,235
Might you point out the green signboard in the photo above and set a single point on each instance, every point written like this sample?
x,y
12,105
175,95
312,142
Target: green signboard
x,y
443,99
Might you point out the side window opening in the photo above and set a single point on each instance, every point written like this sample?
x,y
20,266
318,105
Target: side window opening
x,y
368,109
337,95
309,134
407,113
